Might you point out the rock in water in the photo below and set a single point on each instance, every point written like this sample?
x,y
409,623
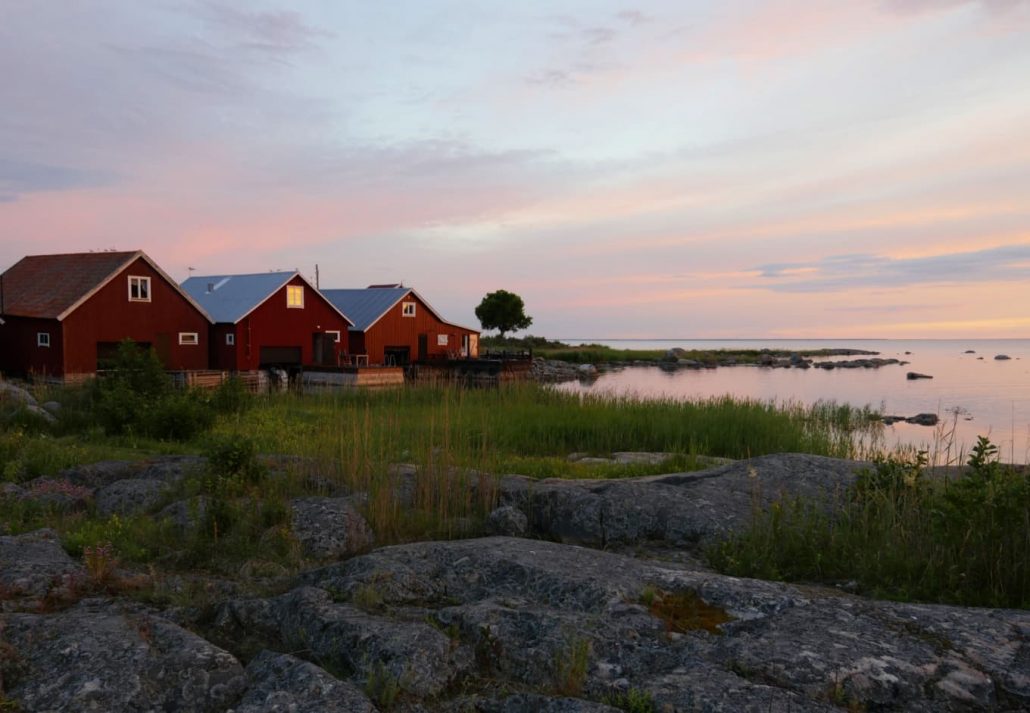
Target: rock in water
x,y
923,419
913,375
1002,357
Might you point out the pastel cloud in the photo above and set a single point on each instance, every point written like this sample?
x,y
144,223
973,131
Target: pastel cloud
x,y
625,170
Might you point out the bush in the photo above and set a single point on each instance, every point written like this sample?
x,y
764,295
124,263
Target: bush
x,y
231,456
179,416
231,396
902,536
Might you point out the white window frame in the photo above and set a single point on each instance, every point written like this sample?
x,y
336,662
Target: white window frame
x,y
294,290
186,341
230,339
43,339
335,334
443,340
407,309
142,284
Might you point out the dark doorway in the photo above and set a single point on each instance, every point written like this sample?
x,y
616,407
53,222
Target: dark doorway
x,y
397,356
163,347
323,349
280,356
423,347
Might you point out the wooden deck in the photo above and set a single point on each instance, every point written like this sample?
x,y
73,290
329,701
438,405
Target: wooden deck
x,y
351,376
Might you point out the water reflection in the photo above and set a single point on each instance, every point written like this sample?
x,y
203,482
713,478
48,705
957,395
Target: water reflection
x,y
972,392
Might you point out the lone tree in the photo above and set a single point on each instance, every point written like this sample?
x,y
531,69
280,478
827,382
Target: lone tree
x,y
503,311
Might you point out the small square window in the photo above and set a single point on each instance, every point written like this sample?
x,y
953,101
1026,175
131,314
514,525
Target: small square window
x,y
189,339
442,340
335,334
139,289
42,339
295,296
408,309
230,340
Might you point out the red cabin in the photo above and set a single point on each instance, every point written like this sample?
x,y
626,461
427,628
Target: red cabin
x,y
62,316
394,325
271,319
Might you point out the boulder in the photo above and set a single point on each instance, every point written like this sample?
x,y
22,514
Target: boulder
x,y
34,563
53,407
923,419
587,370
418,657
185,515
40,413
508,521
107,656
129,497
58,494
16,394
330,527
913,375
683,509
280,683
1002,357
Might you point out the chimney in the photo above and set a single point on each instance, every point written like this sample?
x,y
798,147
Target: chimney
x,y
210,287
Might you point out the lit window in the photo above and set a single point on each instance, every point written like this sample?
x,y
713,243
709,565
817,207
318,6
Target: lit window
x,y
42,339
408,309
441,340
335,334
139,289
230,339
189,338
295,296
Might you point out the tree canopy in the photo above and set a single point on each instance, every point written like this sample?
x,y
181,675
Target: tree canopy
x,y
504,311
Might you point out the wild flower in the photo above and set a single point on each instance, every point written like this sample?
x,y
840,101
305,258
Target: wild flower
x,y
100,561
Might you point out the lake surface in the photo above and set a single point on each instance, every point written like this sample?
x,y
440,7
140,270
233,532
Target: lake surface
x,y
990,397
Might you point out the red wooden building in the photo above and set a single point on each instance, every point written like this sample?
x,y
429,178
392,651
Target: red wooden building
x,y
269,319
62,315
394,325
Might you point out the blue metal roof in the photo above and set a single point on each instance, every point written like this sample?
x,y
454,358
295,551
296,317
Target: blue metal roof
x,y
230,298
365,306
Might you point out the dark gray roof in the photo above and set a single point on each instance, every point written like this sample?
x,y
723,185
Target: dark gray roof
x,y
365,306
230,298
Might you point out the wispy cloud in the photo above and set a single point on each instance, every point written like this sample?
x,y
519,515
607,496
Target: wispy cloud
x,y
837,272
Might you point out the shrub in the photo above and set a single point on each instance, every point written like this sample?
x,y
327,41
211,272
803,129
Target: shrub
x,y
571,665
230,456
179,416
231,396
902,536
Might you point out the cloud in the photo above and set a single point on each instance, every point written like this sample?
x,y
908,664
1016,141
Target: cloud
x,y
278,33
17,177
839,272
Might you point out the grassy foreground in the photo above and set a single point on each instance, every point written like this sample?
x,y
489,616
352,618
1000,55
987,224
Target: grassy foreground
x,y
453,438
903,534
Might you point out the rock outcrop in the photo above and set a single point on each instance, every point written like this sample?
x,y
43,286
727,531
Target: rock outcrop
x,y
678,509
516,612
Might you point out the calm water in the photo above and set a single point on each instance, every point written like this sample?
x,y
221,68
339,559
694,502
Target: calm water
x,y
992,397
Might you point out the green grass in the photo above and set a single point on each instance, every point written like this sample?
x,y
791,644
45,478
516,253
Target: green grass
x,y
455,438
902,535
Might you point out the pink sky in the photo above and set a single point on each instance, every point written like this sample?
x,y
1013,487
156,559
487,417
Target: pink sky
x,y
676,170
